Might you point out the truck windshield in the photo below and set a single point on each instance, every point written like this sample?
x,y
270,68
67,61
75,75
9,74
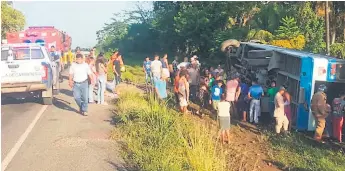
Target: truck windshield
x,y
20,53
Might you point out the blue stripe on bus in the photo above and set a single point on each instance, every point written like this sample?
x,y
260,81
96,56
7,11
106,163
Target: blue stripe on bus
x,y
306,76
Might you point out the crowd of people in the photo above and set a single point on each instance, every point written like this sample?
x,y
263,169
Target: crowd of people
x,y
89,72
232,96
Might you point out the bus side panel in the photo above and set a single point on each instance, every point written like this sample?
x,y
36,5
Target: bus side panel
x,y
306,83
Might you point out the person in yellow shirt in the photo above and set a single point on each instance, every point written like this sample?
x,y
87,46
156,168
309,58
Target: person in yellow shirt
x,y
70,57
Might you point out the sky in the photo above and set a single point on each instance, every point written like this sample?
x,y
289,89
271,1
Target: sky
x,y
80,19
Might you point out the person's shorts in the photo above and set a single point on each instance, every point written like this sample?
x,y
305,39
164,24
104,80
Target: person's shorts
x,y
224,122
166,73
242,106
183,101
215,104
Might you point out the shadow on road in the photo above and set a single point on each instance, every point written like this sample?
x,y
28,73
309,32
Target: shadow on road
x,y
62,104
67,92
121,168
16,99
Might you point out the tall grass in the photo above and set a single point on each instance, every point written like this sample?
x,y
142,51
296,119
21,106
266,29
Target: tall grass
x,y
158,138
299,153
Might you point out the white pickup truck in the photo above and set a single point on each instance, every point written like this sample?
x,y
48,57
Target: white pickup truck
x,y
28,68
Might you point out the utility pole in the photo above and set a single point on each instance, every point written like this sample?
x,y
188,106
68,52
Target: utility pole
x,y
327,27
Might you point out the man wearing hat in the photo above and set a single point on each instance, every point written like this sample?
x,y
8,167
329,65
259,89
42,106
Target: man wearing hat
x,y
320,110
279,114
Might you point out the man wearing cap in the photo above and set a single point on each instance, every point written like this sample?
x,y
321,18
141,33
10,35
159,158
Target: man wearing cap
x,y
78,81
279,114
320,110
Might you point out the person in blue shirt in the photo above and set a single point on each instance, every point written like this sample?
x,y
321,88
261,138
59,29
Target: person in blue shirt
x,y
216,94
243,105
255,93
147,69
161,88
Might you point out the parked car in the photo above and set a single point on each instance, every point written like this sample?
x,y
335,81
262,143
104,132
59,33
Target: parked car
x,y
28,67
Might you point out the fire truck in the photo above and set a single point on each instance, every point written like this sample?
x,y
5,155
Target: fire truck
x,y
302,73
45,35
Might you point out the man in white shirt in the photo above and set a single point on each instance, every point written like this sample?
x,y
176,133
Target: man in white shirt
x,y
156,68
78,81
279,113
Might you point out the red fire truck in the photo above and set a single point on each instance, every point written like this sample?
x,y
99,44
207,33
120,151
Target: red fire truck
x,y
45,35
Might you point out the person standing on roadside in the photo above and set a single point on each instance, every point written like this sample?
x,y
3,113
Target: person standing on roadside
x,y
176,87
117,70
78,81
165,64
271,92
220,72
183,90
255,94
101,69
194,81
161,88
320,110
233,91
338,114
56,57
216,94
243,106
147,70
175,64
94,78
279,112
156,68
287,107
224,119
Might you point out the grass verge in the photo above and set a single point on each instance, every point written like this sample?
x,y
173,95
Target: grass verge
x,y
158,138
300,153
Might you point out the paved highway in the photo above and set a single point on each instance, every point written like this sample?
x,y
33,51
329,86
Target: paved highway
x,y
36,137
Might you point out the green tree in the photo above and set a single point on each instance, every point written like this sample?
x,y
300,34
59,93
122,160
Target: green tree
x,y
288,29
11,19
312,27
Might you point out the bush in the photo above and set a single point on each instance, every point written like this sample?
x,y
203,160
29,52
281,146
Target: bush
x,y
262,35
158,138
294,43
338,50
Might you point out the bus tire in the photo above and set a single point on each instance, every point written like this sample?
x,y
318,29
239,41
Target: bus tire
x,y
227,43
259,53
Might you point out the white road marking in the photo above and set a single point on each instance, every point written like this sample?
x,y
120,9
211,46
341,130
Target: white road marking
x,y
21,140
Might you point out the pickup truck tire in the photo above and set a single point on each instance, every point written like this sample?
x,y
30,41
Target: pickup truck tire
x,y
47,97
259,53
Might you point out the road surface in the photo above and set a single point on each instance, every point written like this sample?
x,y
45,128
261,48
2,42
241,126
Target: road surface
x,y
36,137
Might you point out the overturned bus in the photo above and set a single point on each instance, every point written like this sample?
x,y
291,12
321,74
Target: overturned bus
x,y
302,72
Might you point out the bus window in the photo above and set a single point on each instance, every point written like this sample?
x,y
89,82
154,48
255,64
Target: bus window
x,y
340,71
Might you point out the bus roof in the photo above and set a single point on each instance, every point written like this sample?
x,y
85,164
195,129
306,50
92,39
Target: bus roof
x,y
293,52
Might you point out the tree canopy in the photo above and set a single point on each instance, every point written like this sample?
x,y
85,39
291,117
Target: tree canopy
x,y
186,28
11,19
